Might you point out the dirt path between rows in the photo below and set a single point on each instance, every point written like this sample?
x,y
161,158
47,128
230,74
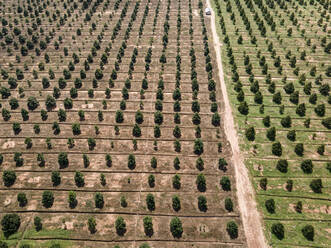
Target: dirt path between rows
x,y
246,197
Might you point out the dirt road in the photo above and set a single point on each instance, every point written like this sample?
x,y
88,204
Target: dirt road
x,y
246,197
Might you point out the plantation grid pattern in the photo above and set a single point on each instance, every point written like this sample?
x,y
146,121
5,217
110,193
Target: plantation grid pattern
x,y
111,131
277,67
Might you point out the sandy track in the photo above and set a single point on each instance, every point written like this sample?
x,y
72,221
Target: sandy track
x,y
246,197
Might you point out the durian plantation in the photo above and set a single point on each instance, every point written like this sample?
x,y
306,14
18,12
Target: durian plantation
x,y
111,129
276,60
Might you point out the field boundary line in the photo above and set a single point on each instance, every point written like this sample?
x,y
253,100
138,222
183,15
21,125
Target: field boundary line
x,y
252,220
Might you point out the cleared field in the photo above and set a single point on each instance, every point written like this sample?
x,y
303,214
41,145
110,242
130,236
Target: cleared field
x,y
276,60
111,132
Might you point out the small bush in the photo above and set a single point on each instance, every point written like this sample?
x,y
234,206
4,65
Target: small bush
x,y
299,149
316,185
148,226
120,226
327,122
176,203
225,183
150,202
56,178
201,182
131,162
47,199
79,179
264,183
278,230
198,146
277,149
222,164
98,200
270,205
298,207
308,232
22,200
232,229
228,204
176,228
250,133
286,122
202,203
307,166
91,224
282,165
10,224
37,223
289,185
72,200
9,178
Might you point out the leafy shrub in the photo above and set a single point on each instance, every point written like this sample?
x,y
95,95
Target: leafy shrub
x,y
264,183
22,200
148,226
282,165
98,200
243,108
91,224
278,230
198,147
222,164
225,183
327,122
299,149
79,179
120,226
250,133
131,162
63,160
277,149
289,185
321,149
298,207
202,203
176,203
56,178
47,199
123,202
301,109
286,122
308,232
199,164
270,205
9,178
201,182
307,166
232,229
291,135
10,224
316,185
150,202
151,181
176,228
216,120
228,204
271,133
176,163
37,223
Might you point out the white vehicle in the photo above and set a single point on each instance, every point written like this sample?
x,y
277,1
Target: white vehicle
x,y
207,11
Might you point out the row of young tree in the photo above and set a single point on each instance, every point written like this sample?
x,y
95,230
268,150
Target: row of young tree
x,y
12,222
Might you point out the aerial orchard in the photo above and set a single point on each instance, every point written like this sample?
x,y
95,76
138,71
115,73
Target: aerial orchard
x,y
112,125
275,59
